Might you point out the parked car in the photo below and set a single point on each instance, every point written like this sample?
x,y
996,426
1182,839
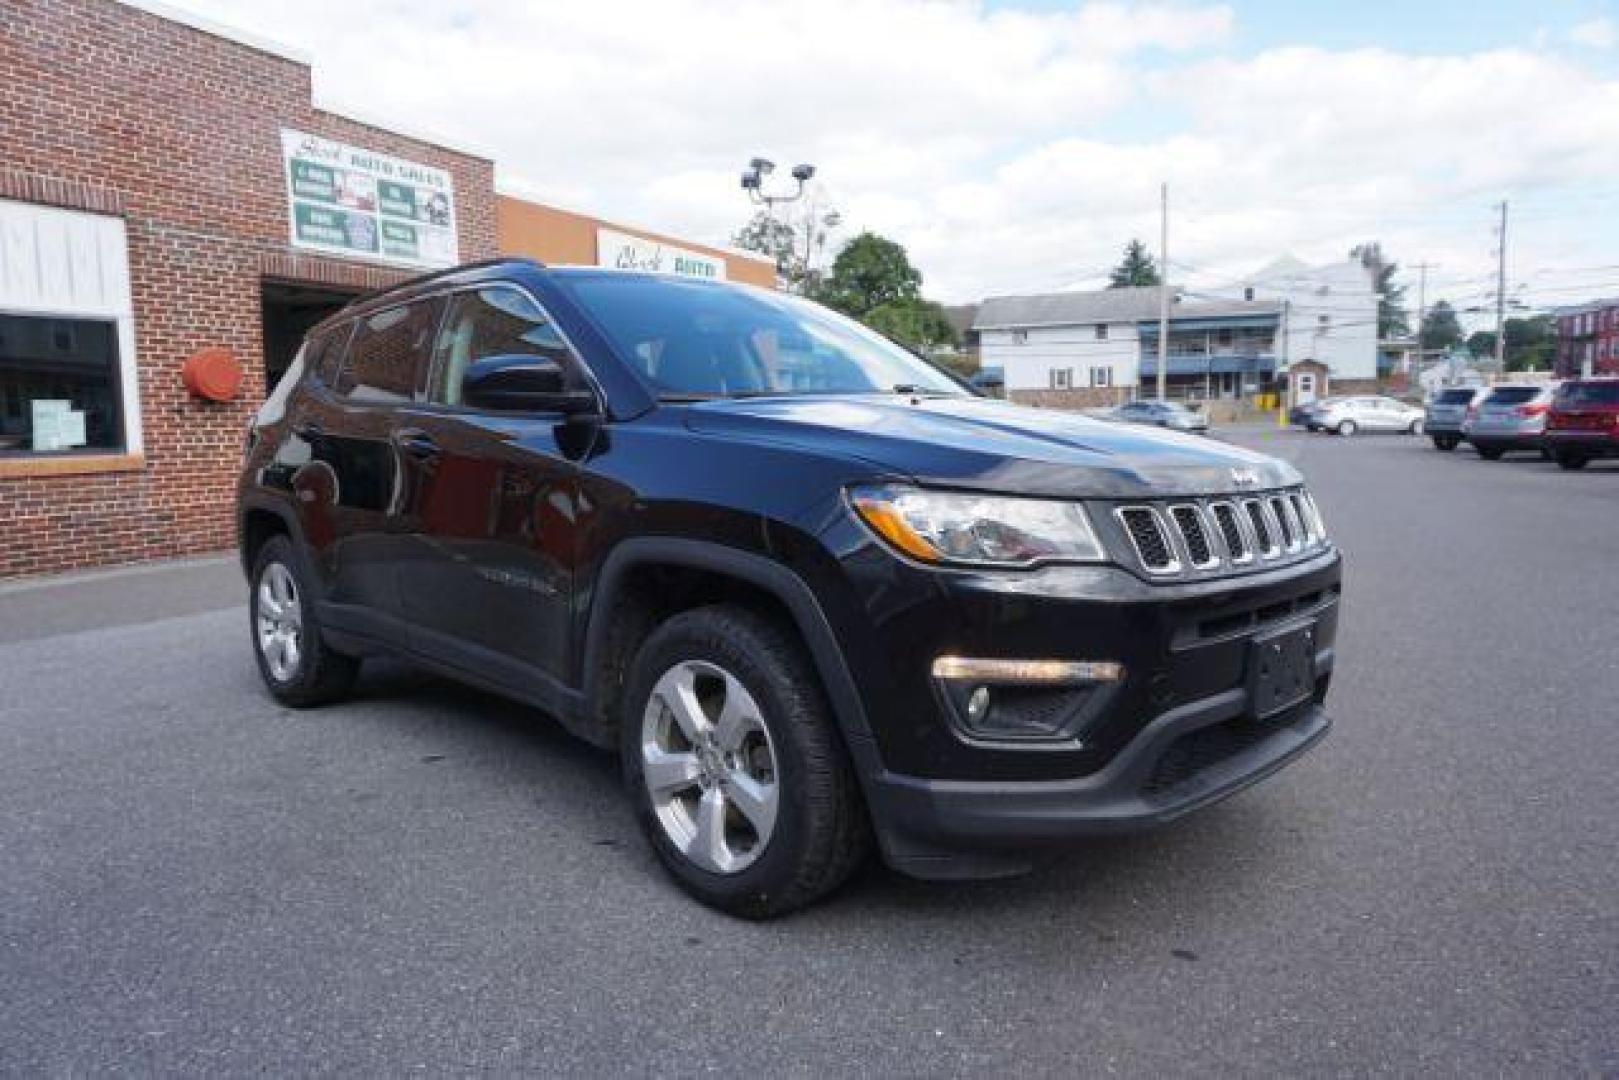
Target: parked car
x,y
990,380
1165,414
1450,412
1306,415
1583,422
1511,419
1350,415
814,591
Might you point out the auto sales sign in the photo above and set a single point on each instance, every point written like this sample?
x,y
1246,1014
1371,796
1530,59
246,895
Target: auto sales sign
x,y
346,200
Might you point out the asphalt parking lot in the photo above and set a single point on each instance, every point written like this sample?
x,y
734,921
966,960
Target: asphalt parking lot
x,y
194,880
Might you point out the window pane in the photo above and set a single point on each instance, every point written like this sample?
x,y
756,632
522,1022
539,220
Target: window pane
x,y
58,385
388,355
491,322
1513,395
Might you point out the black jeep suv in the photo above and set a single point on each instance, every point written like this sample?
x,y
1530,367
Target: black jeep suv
x,y
813,590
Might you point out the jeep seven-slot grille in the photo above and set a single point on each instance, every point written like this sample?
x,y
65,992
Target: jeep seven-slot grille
x,y
1202,536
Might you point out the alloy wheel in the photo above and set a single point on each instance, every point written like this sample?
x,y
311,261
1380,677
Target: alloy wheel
x,y
710,767
280,622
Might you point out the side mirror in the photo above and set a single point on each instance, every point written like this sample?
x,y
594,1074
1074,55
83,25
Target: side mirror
x,y
519,383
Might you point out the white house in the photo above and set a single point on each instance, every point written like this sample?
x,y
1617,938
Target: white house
x,y
1330,313
1230,342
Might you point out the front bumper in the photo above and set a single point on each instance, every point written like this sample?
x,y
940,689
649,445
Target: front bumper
x,y
1176,735
1182,761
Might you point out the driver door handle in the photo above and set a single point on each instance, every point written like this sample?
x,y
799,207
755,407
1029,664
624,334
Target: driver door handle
x,y
416,443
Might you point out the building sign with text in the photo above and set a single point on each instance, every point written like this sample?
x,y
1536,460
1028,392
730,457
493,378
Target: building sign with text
x,y
343,200
625,252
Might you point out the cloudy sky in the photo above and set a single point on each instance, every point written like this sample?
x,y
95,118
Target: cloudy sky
x,y
1015,146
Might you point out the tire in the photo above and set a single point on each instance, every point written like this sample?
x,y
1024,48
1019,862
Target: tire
x,y
312,673
817,833
1489,453
1447,443
1346,428
1570,461
1415,428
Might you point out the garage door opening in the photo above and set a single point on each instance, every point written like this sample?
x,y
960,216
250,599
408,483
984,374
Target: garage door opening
x,y
290,309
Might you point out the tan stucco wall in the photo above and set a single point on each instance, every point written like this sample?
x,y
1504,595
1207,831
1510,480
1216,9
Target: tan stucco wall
x,y
565,238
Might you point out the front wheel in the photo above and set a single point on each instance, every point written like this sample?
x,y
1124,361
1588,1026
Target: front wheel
x,y
1446,443
297,665
1347,428
733,760
1490,453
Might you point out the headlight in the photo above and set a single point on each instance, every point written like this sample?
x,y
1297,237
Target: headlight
x,y
982,530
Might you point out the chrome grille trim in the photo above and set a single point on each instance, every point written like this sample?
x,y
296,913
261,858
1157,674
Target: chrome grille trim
x,y
1200,536
1228,523
1192,530
1263,529
1149,517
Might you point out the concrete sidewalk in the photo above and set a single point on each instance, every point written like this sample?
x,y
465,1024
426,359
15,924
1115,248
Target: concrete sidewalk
x,y
53,604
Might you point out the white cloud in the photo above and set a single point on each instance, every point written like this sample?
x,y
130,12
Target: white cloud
x,y
1599,33
1000,146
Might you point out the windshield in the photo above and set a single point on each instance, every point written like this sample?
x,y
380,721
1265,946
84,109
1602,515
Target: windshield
x,y
693,339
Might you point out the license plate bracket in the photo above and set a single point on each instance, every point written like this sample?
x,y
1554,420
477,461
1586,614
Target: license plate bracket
x,y
1281,670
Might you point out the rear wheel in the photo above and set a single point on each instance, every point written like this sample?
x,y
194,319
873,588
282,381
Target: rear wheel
x,y
1490,453
1446,443
1571,461
297,665
1347,427
732,757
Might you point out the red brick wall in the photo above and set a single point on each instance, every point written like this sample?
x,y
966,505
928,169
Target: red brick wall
x,y
111,109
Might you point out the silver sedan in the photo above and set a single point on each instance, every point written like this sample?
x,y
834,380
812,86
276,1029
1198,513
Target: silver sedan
x,y
1349,415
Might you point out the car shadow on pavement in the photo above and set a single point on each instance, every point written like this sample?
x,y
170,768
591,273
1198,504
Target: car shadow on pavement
x,y
1226,845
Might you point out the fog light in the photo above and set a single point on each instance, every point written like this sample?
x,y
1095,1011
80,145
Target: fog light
x,y
978,705
1060,672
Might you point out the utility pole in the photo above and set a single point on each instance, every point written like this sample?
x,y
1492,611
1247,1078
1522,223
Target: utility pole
x,y
1422,314
1501,292
1163,287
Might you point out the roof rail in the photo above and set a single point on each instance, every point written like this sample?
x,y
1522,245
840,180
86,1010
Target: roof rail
x,y
434,275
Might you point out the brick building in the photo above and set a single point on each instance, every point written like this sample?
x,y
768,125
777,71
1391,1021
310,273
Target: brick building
x,y
146,216
1588,339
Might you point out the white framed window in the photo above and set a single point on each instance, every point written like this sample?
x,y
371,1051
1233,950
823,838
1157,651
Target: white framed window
x,y
1020,337
67,335
1102,376
1062,378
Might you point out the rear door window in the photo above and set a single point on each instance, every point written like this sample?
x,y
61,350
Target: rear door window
x,y
388,357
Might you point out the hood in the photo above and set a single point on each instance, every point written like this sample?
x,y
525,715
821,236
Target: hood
x,y
985,445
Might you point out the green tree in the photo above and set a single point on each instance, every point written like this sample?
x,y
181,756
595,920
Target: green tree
x,y
920,324
1391,316
1136,268
1440,327
869,271
1481,343
773,238
1531,343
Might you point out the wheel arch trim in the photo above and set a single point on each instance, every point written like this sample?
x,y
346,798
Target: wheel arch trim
x,y
757,570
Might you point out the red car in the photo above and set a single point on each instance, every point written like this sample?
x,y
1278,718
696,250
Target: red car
x,y
1583,422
